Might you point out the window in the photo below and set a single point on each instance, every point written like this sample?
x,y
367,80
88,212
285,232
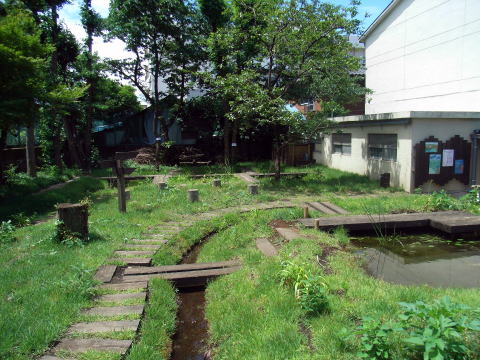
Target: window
x,y
342,143
382,146
308,106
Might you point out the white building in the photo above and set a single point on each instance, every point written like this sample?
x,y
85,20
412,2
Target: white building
x,y
423,66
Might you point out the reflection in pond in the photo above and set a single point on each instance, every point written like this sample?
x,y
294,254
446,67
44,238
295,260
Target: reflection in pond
x,y
422,259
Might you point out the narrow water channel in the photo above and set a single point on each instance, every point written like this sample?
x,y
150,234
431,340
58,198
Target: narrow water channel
x,y
191,339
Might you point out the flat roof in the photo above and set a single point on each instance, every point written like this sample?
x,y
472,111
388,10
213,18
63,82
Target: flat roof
x,y
379,19
395,116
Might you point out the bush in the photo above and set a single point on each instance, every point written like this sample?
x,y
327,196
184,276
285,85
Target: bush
x,y
6,232
310,290
439,331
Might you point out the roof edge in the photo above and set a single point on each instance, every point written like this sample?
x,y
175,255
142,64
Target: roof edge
x,y
393,4
410,115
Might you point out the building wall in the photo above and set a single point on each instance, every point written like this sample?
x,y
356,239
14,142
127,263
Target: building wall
x,y
358,161
425,56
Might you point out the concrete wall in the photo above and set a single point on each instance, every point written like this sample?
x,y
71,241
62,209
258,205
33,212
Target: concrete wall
x,y
425,56
358,161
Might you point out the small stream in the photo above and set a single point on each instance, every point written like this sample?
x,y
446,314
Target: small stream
x,y
191,339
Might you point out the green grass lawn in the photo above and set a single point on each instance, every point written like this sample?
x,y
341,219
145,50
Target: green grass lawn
x,y
45,285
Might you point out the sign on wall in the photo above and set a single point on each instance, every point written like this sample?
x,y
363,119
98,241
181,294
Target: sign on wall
x,y
441,162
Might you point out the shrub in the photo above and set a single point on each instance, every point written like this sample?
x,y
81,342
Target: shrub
x,y
442,330
6,232
438,201
310,290
374,340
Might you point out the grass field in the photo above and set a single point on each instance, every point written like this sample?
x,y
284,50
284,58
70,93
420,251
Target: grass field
x,y
45,284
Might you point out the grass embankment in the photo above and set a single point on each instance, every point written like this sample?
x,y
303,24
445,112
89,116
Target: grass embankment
x,y
251,315
32,206
44,284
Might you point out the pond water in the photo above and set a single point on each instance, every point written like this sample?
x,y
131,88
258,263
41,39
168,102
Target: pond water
x,y
421,259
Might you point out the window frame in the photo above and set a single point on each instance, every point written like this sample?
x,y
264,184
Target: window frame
x,y
384,150
344,141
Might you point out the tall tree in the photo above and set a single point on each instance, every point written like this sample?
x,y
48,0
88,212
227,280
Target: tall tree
x,y
300,50
22,57
93,25
155,31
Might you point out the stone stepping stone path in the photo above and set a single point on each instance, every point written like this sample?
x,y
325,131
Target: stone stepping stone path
x,y
104,326
115,310
133,253
121,297
288,234
105,273
326,207
266,247
132,283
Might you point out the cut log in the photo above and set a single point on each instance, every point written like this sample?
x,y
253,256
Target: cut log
x,y
253,189
74,218
193,195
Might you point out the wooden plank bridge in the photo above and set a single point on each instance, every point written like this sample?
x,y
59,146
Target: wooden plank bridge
x,y
183,275
450,222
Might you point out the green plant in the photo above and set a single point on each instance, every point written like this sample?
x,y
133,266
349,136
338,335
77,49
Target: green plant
x,y
311,294
440,330
310,290
440,200
21,219
7,230
374,340
64,236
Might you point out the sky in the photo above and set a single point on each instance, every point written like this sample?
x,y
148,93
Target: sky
x,y
70,16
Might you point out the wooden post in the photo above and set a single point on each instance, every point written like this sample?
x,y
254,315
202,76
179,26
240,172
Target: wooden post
x,y
75,218
317,224
253,189
162,186
305,212
193,195
127,195
122,200
217,183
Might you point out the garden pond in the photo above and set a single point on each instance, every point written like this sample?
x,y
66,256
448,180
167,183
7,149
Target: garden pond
x,y
421,260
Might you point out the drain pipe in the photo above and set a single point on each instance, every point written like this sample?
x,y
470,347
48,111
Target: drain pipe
x,y
473,173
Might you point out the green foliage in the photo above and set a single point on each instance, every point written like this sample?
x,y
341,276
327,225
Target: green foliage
x,y
441,330
310,289
440,200
432,331
374,342
7,230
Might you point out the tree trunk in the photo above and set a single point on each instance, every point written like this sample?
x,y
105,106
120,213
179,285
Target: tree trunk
x,y
3,144
30,151
277,153
91,94
227,145
234,151
57,147
72,146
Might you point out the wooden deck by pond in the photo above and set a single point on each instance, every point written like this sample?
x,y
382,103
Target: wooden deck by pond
x,y
450,222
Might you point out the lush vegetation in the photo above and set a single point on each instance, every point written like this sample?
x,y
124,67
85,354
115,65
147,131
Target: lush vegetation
x,y
46,283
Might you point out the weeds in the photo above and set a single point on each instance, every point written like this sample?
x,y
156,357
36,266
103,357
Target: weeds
x,y
310,290
7,231
438,331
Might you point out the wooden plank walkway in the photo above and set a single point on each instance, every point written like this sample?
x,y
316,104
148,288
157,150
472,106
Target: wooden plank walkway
x,y
326,207
184,275
266,247
451,222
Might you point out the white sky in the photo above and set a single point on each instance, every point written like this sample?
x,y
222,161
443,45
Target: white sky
x,y
70,16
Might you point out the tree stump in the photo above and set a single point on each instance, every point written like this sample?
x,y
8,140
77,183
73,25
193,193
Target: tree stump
x,y
217,183
74,218
193,195
253,189
162,186
305,212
